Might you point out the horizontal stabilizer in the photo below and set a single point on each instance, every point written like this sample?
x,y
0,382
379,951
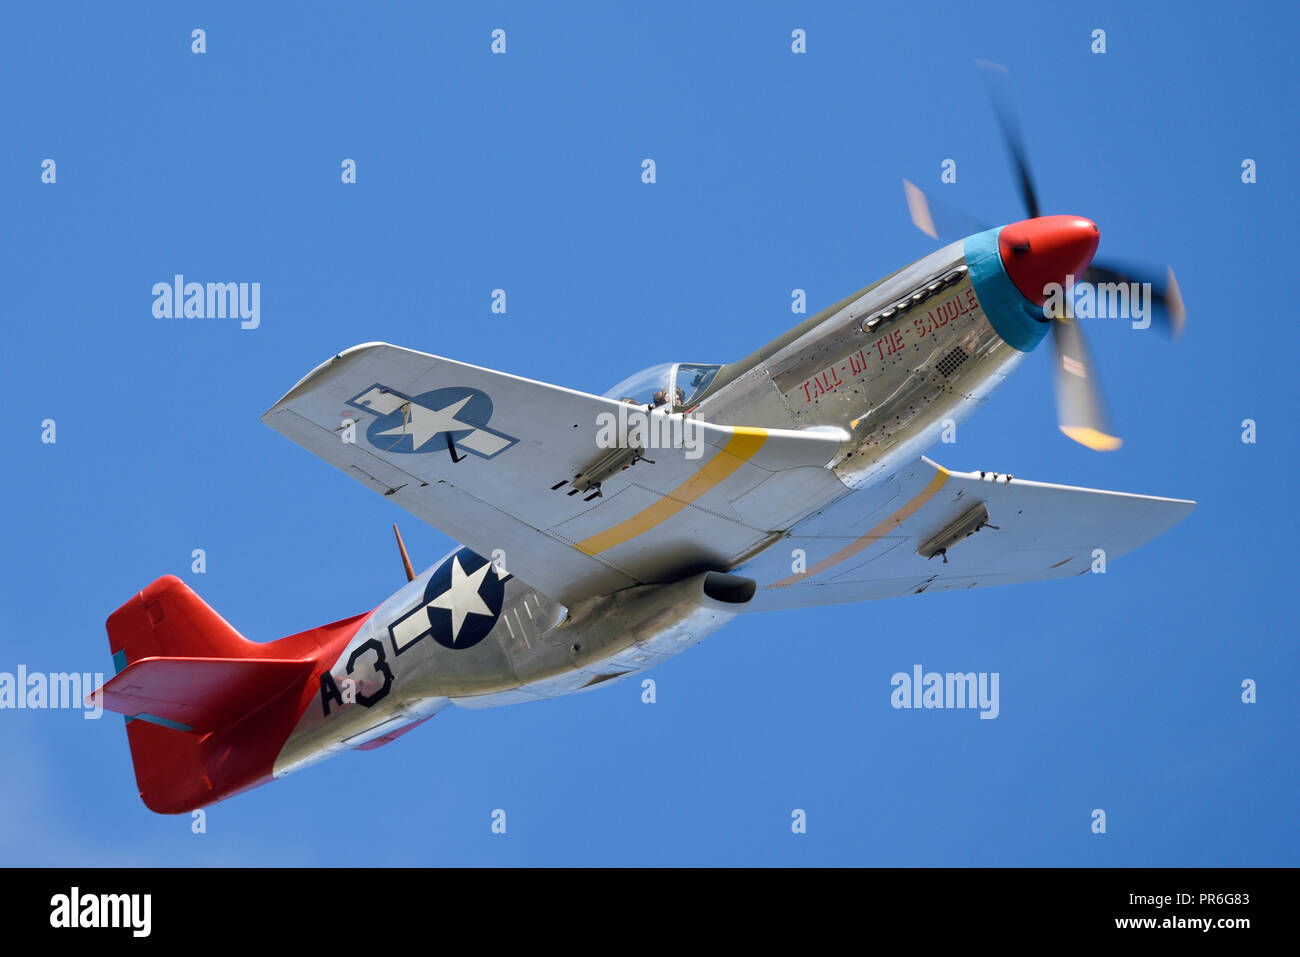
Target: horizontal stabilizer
x,y
199,695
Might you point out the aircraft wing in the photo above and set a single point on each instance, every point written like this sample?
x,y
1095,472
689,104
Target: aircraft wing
x,y
501,462
991,529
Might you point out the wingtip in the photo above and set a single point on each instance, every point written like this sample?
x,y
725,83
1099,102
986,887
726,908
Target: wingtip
x,y
325,367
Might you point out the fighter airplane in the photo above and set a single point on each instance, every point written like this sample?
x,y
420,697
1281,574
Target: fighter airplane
x,y
593,549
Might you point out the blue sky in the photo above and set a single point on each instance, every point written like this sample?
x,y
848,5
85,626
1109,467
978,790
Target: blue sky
x,y
775,171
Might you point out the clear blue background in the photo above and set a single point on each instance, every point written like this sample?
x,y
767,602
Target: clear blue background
x,y
522,171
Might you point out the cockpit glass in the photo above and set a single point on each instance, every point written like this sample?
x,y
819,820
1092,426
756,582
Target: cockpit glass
x,y
648,387
693,381
656,386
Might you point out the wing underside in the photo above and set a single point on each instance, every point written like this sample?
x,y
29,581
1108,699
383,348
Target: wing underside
x,y
503,463
928,529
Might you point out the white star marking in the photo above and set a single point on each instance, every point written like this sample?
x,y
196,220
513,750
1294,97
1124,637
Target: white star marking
x,y
462,598
425,423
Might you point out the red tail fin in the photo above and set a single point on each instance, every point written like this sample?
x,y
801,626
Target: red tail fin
x,y
207,710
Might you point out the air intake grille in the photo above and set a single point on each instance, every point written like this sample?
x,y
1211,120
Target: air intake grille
x,y
951,362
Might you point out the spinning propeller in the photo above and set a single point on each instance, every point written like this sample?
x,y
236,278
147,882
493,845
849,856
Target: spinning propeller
x,y
1041,250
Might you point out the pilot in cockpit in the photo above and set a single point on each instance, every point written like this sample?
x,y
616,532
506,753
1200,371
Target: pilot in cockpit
x,y
661,397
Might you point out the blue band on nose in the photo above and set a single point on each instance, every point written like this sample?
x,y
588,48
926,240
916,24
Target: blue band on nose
x,y
1019,322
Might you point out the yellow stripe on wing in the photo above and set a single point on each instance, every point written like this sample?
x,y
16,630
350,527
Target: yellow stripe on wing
x,y
738,450
873,536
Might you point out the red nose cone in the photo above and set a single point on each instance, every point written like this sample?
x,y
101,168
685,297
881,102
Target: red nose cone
x,y
1036,252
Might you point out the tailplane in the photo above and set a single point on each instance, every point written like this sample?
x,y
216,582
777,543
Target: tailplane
x,y
207,710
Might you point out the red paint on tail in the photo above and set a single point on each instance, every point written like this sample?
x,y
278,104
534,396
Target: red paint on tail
x,y
187,666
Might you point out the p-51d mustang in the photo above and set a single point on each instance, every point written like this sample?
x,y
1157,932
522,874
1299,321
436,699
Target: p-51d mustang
x,y
592,552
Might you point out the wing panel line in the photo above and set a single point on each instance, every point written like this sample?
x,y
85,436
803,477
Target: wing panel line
x,y
740,448
874,535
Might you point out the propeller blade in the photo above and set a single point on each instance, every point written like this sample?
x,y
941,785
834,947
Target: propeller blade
x,y
1080,408
1166,300
938,220
919,208
995,81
